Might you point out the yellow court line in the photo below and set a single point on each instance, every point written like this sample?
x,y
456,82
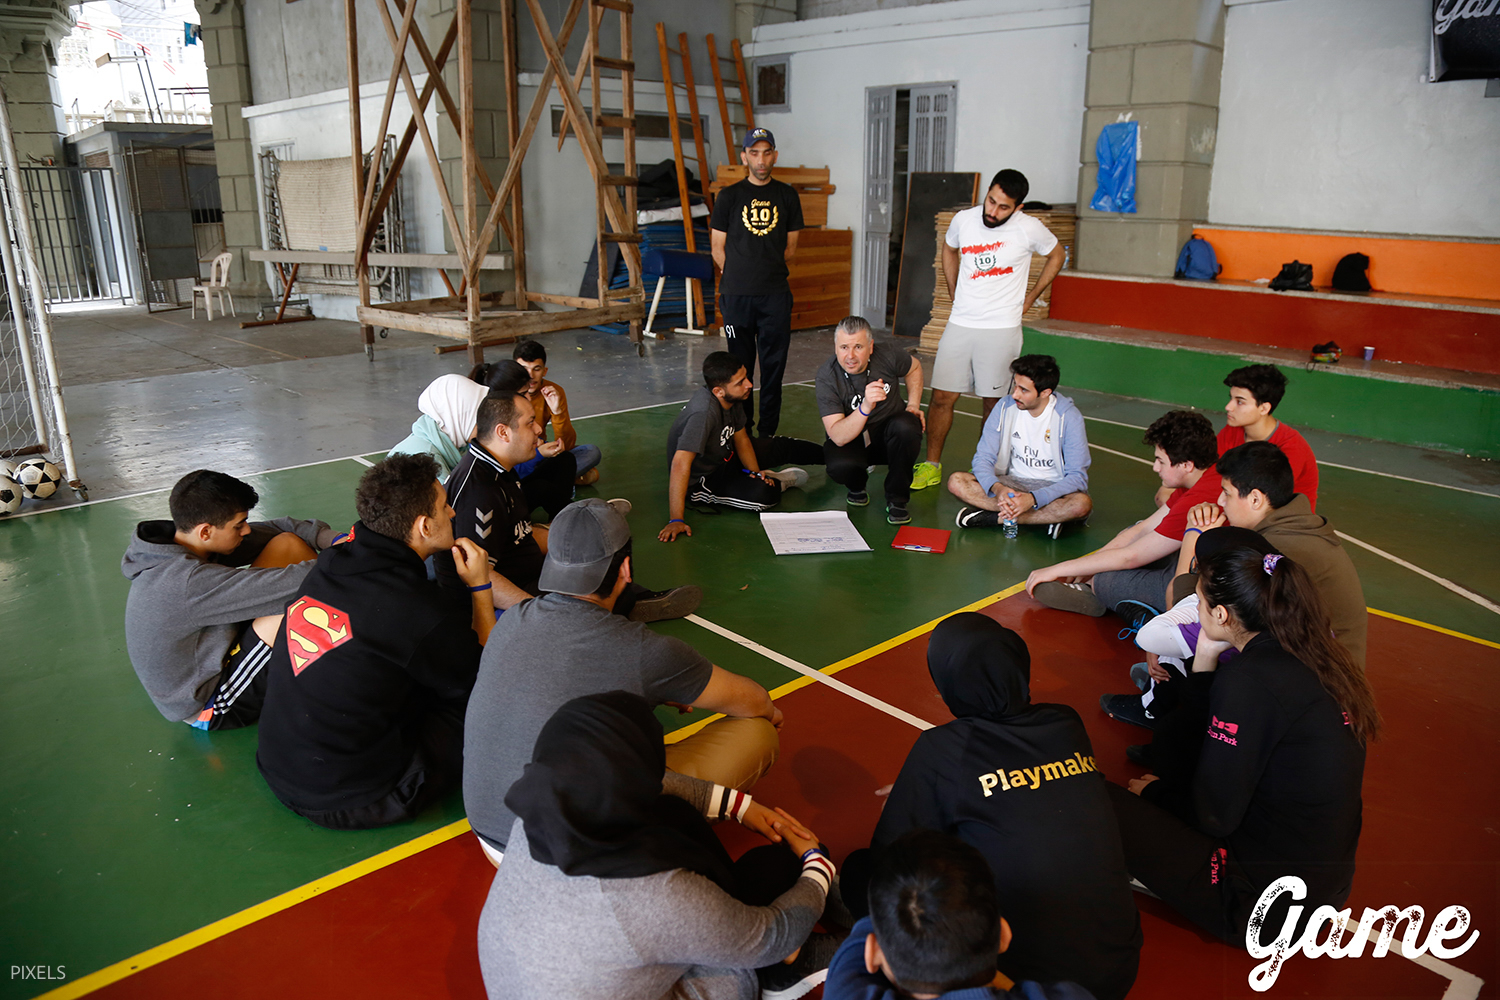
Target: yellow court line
x,y
1434,628
170,949
219,928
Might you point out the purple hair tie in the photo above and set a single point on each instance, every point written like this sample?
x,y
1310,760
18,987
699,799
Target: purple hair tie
x,y
1270,562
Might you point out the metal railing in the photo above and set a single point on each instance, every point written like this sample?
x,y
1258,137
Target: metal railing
x,y
75,221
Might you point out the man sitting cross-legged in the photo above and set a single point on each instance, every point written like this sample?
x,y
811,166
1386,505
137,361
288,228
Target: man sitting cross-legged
x,y
865,418
566,644
363,722
934,930
1032,463
550,401
207,589
713,460
1130,575
492,510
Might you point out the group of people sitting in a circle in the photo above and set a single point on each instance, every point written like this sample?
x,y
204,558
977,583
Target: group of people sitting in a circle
x,y
446,639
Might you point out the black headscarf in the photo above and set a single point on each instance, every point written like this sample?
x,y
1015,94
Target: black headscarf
x,y
591,798
981,668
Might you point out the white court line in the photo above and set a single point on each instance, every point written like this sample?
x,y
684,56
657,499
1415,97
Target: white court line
x,y
168,489
807,671
1483,602
363,461
1332,465
1461,985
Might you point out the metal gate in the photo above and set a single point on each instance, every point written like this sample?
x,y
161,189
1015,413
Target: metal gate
x,y
75,221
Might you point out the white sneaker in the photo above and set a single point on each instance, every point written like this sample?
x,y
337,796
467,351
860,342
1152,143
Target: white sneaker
x,y
622,505
789,478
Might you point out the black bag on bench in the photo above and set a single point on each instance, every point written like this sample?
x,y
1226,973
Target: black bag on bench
x,y
1294,277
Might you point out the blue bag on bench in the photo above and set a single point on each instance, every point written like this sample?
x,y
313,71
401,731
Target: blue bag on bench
x,y
1197,261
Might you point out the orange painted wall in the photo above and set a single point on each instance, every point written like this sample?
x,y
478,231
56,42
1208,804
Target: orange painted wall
x,y
1418,267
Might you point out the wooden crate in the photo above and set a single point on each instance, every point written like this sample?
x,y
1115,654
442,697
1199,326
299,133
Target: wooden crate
x,y
1060,219
811,184
820,277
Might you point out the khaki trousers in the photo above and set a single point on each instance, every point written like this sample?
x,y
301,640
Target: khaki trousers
x,y
735,753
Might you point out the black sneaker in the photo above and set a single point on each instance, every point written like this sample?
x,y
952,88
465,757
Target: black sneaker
x,y
895,513
1127,708
1139,753
660,605
1136,614
976,517
788,982
858,498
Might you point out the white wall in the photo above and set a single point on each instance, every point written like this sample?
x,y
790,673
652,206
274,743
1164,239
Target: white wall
x,y
1020,67
318,125
1326,122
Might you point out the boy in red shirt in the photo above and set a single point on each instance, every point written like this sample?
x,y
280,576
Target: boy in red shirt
x,y
1254,392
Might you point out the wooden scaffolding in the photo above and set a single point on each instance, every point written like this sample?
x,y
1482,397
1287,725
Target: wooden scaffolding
x,y
468,315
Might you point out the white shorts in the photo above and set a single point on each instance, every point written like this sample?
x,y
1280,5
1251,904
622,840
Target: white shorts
x,y
977,361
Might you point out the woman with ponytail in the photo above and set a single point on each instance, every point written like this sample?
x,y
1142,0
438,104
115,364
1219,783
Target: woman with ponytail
x,y
1276,788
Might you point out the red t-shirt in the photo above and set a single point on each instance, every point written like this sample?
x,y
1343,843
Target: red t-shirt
x,y
1205,490
1296,449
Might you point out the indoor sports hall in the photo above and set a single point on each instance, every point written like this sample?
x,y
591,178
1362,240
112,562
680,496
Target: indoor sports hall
x,y
544,170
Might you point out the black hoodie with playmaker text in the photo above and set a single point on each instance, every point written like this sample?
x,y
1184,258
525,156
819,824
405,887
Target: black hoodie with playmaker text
x,y
1018,782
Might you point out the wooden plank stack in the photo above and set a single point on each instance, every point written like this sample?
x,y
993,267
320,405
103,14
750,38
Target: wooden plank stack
x,y
811,184
941,303
820,277
1062,220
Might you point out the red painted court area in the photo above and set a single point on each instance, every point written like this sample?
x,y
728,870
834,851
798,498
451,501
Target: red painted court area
x,y
1432,786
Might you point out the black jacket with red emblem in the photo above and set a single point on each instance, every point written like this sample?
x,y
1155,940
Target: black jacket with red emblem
x,y
366,646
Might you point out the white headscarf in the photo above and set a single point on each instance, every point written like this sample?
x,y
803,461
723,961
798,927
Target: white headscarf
x,y
453,402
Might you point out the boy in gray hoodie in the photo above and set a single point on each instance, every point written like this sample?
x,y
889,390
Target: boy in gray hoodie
x,y
207,591
1032,463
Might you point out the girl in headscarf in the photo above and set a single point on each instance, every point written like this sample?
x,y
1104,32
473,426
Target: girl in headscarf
x,y
1276,787
1018,782
613,889
450,407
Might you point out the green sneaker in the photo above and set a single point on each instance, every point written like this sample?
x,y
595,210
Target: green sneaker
x,y
925,474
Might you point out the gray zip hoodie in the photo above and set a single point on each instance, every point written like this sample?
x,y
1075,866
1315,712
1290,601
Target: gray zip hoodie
x,y
183,613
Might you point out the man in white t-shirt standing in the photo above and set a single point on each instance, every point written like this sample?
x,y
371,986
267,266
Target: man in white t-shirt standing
x,y
986,261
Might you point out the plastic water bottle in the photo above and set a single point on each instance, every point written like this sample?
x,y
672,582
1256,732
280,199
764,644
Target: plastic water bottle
x,y
1009,524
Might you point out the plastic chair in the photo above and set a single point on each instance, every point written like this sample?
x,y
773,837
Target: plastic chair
x,y
218,281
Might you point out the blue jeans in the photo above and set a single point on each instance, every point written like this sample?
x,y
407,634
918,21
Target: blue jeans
x,y
588,456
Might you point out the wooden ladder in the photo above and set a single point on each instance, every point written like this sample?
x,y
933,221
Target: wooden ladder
x,y
625,121
746,105
694,286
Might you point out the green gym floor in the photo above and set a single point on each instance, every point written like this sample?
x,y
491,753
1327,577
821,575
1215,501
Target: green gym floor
x,y
125,832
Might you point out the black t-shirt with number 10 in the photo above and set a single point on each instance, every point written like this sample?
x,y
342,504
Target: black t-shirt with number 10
x,y
755,219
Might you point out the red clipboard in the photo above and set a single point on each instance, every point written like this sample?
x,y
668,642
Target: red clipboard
x,y
914,539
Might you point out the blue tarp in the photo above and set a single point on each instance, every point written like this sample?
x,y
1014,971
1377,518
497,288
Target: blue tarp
x,y
1116,149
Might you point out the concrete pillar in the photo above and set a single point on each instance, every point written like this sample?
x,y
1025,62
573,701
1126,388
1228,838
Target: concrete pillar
x,y
228,59
750,14
491,138
1157,61
29,33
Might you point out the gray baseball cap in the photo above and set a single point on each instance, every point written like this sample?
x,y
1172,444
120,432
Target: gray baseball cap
x,y
581,542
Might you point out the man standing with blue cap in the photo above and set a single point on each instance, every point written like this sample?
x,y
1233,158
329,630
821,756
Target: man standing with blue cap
x,y
753,232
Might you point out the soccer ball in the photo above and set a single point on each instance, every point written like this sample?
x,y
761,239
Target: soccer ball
x,y
7,469
38,478
10,496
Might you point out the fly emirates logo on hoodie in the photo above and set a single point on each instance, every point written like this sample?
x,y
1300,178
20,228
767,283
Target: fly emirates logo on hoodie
x,y
1031,778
